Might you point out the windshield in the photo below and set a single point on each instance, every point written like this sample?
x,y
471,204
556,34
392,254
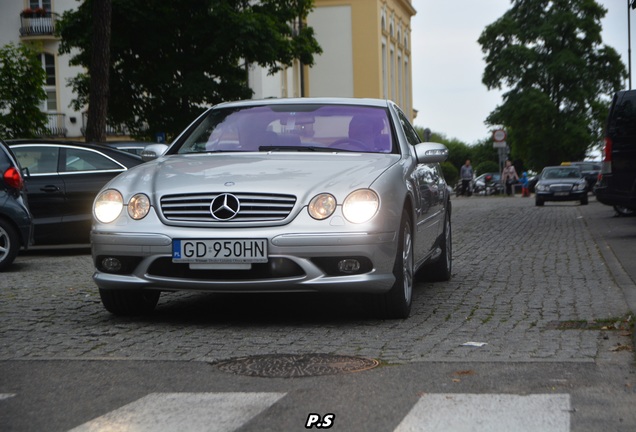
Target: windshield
x,y
291,128
561,173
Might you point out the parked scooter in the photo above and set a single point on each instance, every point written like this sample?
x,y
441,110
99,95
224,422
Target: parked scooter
x,y
488,184
469,189
493,187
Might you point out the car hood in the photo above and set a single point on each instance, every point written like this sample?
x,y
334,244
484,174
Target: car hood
x,y
300,174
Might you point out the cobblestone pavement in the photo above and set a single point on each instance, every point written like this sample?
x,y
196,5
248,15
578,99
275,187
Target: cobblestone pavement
x,y
521,276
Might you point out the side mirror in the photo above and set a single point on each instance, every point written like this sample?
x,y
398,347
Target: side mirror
x,y
430,152
153,151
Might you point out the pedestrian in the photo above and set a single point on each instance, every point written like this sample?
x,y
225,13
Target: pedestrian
x,y
525,191
466,174
509,177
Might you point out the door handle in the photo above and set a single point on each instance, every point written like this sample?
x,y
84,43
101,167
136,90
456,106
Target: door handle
x,y
50,189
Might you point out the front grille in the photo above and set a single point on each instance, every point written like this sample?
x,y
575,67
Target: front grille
x,y
561,187
254,207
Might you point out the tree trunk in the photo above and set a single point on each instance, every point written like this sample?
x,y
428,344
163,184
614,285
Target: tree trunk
x,y
99,72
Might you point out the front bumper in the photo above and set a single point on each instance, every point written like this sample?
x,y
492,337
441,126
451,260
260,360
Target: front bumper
x,y
561,196
297,262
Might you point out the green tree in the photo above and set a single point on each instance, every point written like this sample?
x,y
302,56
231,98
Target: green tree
x,y
451,173
21,92
486,166
171,59
549,56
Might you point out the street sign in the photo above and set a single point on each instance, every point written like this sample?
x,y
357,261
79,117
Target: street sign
x,y
499,144
499,135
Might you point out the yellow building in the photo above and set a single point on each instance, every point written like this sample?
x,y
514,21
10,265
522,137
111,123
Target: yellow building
x,y
366,53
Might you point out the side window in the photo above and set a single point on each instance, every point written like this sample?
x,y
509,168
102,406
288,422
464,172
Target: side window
x,y
625,114
86,160
409,131
38,159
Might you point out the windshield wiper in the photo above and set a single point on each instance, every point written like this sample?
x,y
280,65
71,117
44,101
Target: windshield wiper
x,y
294,148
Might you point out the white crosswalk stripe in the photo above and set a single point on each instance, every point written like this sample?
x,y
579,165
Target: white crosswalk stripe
x,y
226,412
192,412
489,413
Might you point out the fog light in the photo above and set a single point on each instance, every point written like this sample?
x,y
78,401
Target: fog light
x,y
349,265
111,265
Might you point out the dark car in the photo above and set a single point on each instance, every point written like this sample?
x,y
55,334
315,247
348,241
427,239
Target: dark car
x,y
561,183
15,219
616,184
64,178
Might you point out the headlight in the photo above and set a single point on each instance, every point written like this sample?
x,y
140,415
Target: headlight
x,y
540,187
322,206
579,186
108,206
138,206
360,206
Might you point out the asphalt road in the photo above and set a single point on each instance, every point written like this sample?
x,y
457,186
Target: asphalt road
x,y
530,334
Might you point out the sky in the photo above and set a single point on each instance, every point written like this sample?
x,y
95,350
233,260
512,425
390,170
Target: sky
x,y
447,62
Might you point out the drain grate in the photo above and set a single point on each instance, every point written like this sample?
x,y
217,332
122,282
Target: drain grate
x,y
568,325
295,365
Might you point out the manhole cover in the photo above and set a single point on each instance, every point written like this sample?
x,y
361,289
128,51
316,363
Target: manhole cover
x,y
295,365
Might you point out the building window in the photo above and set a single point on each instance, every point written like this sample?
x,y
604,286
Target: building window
x,y
392,69
385,78
400,89
407,88
44,4
48,63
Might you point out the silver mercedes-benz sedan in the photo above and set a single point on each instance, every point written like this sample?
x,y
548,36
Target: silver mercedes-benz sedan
x,y
279,195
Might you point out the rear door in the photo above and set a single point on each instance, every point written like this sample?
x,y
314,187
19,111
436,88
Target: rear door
x,y
45,189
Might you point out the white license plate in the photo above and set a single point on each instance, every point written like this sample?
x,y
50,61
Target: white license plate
x,y
221,251
561,193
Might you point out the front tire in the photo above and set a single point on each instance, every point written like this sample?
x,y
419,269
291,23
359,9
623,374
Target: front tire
x,y
538,202
9,244
129,302
440,270
397,302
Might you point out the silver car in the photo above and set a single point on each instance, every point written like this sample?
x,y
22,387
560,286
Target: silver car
x,y
279,195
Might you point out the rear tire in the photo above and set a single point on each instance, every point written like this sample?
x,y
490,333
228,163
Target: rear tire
x,y
623,211
129,302
9,244
397,302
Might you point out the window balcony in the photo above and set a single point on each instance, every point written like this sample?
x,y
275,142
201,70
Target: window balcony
x,y
117,130
37,23
55,127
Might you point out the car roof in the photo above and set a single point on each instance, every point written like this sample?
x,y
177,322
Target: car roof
x,y
371,102
120,155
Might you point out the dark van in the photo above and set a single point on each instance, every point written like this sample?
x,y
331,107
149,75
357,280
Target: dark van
x,y
616,185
